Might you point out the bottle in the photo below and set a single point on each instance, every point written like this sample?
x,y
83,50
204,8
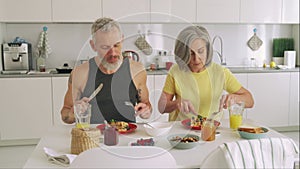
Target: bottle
x,y
252,62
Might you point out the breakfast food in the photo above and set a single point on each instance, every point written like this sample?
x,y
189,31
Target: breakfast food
x,y
251,130
196,122
121,126
143,142
185,139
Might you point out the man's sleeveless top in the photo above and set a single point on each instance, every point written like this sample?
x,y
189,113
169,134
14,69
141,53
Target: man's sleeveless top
x,y
117,88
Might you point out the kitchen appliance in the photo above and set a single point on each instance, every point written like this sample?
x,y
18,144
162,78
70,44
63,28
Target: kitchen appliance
x,y
16,58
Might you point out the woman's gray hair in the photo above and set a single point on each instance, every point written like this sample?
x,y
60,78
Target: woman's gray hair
x,y
105,25
183,42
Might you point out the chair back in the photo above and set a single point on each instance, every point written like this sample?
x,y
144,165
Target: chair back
x,y
124,157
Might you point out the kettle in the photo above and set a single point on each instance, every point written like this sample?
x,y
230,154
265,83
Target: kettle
x,y
131,55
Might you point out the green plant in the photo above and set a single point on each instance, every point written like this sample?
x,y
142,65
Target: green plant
x,y
282,44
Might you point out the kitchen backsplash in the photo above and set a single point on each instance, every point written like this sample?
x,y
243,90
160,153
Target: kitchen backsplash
x,y
70,42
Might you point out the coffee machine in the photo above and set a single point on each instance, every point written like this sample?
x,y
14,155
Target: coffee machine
x,y
16,58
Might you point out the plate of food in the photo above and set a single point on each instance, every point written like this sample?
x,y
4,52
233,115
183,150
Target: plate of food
x,y
142,142
183,141
121,126
252,132
195,123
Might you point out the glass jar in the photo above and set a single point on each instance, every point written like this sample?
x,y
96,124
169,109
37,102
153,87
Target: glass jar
x,y
208,130
111,136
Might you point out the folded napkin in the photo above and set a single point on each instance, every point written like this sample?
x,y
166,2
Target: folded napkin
x,y
57,158
261,153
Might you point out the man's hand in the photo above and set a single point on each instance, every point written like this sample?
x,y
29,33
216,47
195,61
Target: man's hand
x,y
142,110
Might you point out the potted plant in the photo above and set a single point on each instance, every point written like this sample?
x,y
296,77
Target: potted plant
x,y
279,46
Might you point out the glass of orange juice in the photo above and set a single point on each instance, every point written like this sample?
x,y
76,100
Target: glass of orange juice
x,y
236,114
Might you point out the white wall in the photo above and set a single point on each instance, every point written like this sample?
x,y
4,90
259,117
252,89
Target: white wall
x,y
69,42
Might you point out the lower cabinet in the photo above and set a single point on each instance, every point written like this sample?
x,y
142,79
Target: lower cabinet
x,y
26,107
271,98
59,89
294,100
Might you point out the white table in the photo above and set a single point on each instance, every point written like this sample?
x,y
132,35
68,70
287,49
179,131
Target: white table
x,y
59,139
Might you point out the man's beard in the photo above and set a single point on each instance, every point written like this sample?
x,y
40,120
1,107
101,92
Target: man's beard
x,y
111,66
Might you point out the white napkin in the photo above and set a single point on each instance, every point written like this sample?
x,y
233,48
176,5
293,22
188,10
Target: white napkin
x,y
261,153
57,158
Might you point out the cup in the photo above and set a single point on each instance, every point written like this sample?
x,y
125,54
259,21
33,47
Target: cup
x,y
42,68
82,115
208,130
169,65
236,114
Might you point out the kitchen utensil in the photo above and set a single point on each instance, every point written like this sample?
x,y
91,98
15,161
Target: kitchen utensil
x,y
143,45
157,128
131,55
255,42
96,91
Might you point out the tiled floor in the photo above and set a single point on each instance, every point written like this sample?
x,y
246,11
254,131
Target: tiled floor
x,y
16,156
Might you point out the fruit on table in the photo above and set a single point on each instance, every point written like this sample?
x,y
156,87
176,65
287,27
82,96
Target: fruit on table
x,y
272,64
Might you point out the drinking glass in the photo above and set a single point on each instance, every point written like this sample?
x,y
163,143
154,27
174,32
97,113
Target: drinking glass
x,y
82,115
208,130
236,114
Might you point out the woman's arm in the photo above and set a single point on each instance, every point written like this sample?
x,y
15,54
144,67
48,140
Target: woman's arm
x,y
242,95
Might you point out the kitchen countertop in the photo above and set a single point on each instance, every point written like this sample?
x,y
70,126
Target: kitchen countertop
x,y
233,69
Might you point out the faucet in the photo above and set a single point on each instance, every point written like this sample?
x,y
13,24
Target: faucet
x,y
221,56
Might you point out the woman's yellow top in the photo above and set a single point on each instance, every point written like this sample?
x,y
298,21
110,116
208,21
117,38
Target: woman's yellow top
x,y
203,89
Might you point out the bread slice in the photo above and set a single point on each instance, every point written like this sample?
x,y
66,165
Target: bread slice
x,y
251,129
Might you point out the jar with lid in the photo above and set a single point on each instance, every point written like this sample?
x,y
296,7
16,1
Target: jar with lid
x,y
111,136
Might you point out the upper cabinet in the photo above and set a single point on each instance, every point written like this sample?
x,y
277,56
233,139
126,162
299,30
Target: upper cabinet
x,y
290,11
260,11
25,11
173,11
76,10
152,11
127,10
216,11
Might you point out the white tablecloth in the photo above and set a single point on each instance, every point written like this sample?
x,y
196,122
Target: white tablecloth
x,y
59,139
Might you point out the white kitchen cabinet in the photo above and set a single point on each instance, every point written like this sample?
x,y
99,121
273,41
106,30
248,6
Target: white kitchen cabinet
x,y
290,11
76,10
25,11
26,107
59,89
159,83
260,11
216,11
127,10
173,11
294,100
271,98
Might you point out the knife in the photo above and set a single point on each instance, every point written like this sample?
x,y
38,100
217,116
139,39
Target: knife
x,y
96,91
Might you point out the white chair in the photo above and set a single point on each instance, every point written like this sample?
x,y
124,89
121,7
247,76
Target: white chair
x,y
124,157
256,153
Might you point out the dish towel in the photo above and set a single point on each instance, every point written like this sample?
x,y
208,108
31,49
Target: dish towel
x,y
261,153
43,46
57,158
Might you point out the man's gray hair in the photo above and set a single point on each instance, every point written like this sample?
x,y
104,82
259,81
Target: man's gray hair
x,y
105,25
183,42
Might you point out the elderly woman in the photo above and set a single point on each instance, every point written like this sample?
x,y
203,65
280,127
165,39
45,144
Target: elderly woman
x,y
195,84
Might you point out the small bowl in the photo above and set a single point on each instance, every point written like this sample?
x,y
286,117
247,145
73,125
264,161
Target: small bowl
x,y
158,128
248,135
182,145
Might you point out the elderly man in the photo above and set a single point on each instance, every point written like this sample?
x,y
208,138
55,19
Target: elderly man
x,y
123,80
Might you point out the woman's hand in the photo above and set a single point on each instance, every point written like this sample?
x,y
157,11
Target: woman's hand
x,y
186,106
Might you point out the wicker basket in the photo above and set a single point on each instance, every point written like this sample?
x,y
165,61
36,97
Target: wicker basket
x,y
84,139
